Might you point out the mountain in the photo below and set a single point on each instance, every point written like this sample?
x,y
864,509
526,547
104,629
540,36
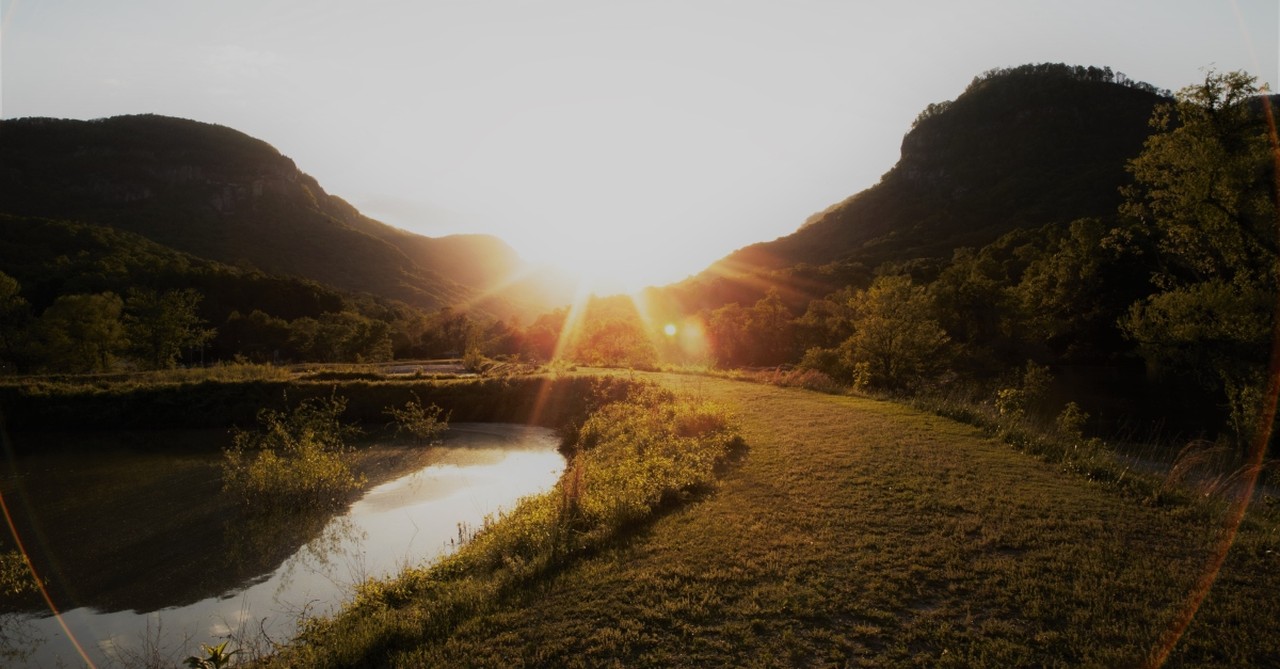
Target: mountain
x,y
218,194
1020,148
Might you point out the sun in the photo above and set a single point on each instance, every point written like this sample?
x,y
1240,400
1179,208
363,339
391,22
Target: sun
x,y
670,329
616,255
605,266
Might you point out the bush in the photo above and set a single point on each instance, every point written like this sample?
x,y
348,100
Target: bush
x,y
1071,421
1011,403
809,379
15,576
422,423
637,452
297,460
827,361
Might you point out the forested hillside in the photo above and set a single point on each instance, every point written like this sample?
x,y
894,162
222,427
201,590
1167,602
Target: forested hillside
x,y
1052,223
219,194
148,241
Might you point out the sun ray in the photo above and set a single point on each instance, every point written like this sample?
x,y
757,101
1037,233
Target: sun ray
x,y
572,321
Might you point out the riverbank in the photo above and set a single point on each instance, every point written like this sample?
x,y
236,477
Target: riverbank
x,y
864,533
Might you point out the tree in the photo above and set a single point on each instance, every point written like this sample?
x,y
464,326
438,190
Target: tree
x,y
451,333
161,325
611,331
1076,289
761,335
501,339
15,317
543,335
344,336
259,337
1205,189
827,321
771,329
614,341
973,304
897,341
81,333
1205,184
729,330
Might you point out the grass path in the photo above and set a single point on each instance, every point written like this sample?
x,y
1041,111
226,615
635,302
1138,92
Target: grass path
x,y
863,533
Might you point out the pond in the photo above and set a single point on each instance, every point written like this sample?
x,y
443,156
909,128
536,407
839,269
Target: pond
x,y
146,560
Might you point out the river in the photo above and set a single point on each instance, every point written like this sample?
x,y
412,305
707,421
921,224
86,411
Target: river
x,y
146,560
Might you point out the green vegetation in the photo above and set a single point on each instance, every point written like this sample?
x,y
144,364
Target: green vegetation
x,y
857,532
638,452
1156,311
224,197
215,657
1000,237
81,333
298,460
761,335
161,326
421,423
896,342
997,275
15,575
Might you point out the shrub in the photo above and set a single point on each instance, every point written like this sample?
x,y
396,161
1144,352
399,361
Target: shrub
x,y
637,452
1071,421
297,459
1022,400
809,379
422,423
825,360
15,575
1011,403
474,361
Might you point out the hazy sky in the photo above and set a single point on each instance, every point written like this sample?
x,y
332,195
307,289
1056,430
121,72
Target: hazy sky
x,y
642,140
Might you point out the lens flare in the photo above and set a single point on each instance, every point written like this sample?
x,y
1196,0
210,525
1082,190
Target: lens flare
x,y
44,592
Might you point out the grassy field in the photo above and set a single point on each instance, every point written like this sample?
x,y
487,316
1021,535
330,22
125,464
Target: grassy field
x,y
862,533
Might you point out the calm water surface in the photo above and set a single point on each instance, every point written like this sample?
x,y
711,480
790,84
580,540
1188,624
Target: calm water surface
x,y
145,559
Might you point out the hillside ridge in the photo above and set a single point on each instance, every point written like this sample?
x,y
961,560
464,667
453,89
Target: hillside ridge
x,y
220,194
1019,148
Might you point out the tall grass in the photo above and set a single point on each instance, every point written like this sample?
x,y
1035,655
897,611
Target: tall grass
x,y
1153,473
629,458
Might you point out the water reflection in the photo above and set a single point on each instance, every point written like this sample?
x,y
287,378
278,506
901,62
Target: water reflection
x,y
170,585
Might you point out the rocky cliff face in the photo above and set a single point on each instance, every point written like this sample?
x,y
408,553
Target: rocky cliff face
x,y
1019,148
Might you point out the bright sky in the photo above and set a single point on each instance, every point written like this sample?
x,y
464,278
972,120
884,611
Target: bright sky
x,y
635,140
